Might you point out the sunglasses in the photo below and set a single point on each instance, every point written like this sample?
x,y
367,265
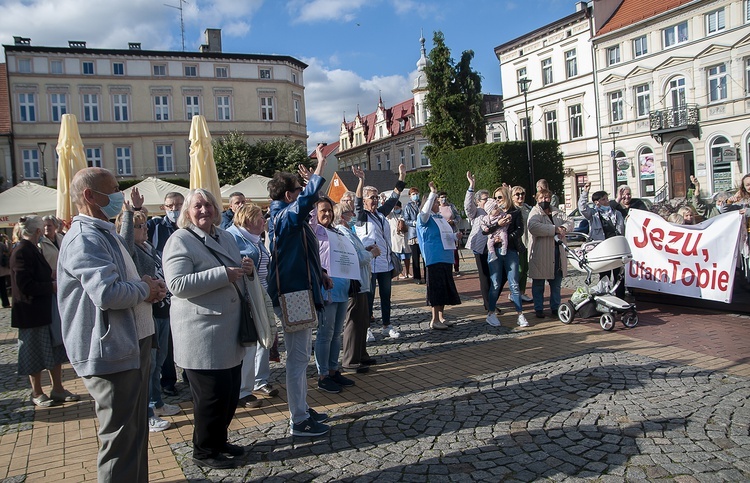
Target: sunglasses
x,y
298,188
498,197
520,194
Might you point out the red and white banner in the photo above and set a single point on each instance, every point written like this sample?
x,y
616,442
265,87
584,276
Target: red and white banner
x,y
696,261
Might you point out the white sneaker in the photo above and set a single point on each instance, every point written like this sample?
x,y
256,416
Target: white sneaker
x,y
522,322
392,332
157,424
492,319
167,410
370,336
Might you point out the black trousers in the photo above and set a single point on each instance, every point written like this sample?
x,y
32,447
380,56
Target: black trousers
x,y
483,271
215,395
4,291
416,261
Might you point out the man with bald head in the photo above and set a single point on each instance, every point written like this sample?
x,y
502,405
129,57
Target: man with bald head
x,y
107,324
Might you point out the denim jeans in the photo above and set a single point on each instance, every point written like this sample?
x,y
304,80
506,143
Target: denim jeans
x,y
328,338
384,284
508,265
298,345
537,292
158,355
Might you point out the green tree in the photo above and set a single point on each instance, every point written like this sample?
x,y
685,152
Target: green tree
x,y
280,154
236,159
454,100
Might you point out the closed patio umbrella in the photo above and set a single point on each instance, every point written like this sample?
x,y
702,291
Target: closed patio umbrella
x,y
202,166
72,158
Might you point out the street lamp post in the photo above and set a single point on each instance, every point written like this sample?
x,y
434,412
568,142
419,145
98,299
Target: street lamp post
x,y
523,86
614,134
41,147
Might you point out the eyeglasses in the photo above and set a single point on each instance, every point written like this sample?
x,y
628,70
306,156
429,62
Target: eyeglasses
x,y
372,198
520,194
298,188
483,199
139,226
498,197
173,206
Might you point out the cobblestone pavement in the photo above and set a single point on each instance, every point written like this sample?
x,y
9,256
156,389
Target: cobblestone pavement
x,y
474,403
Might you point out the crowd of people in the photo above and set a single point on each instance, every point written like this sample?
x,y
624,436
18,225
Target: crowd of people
x,y
153,294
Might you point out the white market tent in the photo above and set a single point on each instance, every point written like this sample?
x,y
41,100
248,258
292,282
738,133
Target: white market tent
x,y
153,191
26,198
255,189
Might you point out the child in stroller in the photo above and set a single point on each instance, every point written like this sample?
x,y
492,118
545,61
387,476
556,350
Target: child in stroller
x,y
599,300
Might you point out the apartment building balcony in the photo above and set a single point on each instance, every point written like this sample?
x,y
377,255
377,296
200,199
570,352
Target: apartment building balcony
x,y
674,120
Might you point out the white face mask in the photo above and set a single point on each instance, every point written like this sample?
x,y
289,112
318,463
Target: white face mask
x,y
172,215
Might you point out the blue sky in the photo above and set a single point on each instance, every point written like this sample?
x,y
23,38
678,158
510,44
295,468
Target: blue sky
x,y
356,49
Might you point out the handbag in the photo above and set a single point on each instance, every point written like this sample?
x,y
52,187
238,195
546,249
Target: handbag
x,y
248,334
397,268
297,308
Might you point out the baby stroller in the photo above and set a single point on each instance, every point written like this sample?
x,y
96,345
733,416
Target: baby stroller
x,y
599,300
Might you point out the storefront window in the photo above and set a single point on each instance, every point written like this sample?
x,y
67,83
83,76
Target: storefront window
x,y
621,168
722,156
647,174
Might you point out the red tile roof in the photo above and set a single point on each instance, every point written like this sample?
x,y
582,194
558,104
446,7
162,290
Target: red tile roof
x,y
327,149
4,101
633,11
393,116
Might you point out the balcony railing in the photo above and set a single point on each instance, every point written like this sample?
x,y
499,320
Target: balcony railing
x,y
683,118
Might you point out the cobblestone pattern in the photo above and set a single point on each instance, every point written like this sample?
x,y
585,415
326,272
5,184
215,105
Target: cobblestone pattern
x,y
16,410
602,416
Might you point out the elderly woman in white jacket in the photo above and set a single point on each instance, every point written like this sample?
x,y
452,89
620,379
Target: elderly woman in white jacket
x,y
203,269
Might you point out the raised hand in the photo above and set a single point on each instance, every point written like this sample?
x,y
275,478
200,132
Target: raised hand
x,y
304,172
471,179
401,172
136,197
357,171
433,189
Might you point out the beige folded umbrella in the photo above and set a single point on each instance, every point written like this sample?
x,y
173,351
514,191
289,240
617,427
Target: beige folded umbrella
x,y
202,166
72,158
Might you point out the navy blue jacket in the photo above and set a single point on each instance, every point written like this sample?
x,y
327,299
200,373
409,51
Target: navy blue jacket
x,y
159,229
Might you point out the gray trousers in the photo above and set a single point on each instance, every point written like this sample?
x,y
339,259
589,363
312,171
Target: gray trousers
x,y
121,402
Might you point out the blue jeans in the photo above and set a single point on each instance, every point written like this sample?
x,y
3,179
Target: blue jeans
x,y
537,292
328,338
507,265
384,284
158,356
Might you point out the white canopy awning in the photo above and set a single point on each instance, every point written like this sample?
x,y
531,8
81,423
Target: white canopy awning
x,y
153,191
255,189
26,198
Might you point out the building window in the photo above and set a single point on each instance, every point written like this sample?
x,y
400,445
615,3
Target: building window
x,y
402,157
412,159
616,107
747,73
747,11
191,71
264,73
523,123
164,158
24,66
297,115
640,46
423,156
56,67
717,83
161,108
294,77
223,108
721,168
94,157
30,163
88,68
550,120
124,161
388,161
378,163
520,74
646,169
715,21
192,107
576,121
58,106
118,68
266,108
27,107
676,34
546,71
571,64
222,72
120,108
90,107
613,55
642,100
160,70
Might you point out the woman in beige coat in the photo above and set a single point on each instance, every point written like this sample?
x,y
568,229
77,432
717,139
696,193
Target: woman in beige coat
x,y
546,257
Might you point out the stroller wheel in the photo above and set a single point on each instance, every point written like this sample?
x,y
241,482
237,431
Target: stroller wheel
x,y
630,319
607,321
566,313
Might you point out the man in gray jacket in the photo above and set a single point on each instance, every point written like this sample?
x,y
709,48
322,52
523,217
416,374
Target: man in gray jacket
x,y
107,324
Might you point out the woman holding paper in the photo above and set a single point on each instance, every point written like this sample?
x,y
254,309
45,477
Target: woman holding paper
x,y
437,240
339,259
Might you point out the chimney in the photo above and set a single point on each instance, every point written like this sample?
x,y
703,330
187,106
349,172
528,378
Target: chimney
x,y
22,40
134,45
77,44
213,41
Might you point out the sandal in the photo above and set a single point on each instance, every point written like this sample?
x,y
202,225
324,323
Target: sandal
x,y
42,401
65,396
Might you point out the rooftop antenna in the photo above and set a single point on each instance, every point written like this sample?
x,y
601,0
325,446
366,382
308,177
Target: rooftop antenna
x,y
182,22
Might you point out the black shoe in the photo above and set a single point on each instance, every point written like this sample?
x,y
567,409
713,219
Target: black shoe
x,y
170,390
266,390
327,384
249,402
316,416
232,450
341,380
370,361
310,427
420,282
539,314
218,462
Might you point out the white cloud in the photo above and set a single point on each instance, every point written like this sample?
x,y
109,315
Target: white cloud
x,y
322,10
422,9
